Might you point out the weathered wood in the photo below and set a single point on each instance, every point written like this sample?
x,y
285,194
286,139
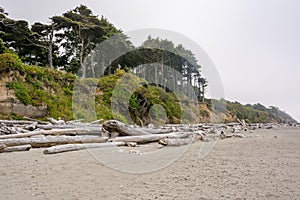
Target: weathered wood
x,y
68,126
131,144
74,121
123,129
13,122
9,130
156,130
54,121
31,127
97,121
176,141
2,146
73,131
76,147
35,120
48,141
152,137
239,135
16,148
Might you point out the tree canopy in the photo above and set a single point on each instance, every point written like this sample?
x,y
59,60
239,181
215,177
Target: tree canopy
x,y
69,42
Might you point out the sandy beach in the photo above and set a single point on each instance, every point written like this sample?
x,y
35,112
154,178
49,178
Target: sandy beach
x,y
266,166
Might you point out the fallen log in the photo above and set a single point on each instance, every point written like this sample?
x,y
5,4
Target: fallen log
x,y
35,120
54,121
2,146
76,147
68,126
14,122
123,129
48,141
156,130
176,141
151,138
73,131
97,121
16,148
131,144
10,129
31,127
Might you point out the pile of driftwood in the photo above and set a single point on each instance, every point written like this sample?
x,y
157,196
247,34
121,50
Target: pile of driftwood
x,y
59,136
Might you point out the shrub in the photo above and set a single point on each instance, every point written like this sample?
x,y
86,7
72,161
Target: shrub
x,y
9,61
21,92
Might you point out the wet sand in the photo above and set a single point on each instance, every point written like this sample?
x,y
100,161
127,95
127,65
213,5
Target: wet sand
x,y
262,167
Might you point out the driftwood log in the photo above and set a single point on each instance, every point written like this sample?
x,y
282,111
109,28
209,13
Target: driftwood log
x,y
176,141
73,131
123,129
31,127
69,126
156,130
35,120
47,141
2,146
26,147
14,122
76,147
75,135
140,139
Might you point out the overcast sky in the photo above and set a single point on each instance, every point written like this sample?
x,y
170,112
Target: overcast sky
x,y
254,44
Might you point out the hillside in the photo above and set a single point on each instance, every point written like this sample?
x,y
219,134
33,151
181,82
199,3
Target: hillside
x,y
45,92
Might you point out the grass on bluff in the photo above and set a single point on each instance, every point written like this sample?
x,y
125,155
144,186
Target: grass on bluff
x,y
39,86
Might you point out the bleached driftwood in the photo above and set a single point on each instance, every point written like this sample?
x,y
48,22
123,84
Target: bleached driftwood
x,y
131,144
73,131
151,137
68,126
97,121
14,122
16,148
123,129
156,130
2,146
176,141
35,120
32,126
76,147
48,141
54,121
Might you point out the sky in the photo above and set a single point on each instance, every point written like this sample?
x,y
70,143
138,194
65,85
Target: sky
x,y
254,44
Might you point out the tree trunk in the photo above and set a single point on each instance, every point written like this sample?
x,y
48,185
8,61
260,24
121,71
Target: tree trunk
x,y
76,147
50,48
70,126
122,129
2,146
151,138
47,141
73,131
16,148
83,67
13,122
176,141
92,65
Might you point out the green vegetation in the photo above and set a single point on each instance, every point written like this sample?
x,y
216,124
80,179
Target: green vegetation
x,y
256,113
9,61
70,40
38,86
43,86
250,114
